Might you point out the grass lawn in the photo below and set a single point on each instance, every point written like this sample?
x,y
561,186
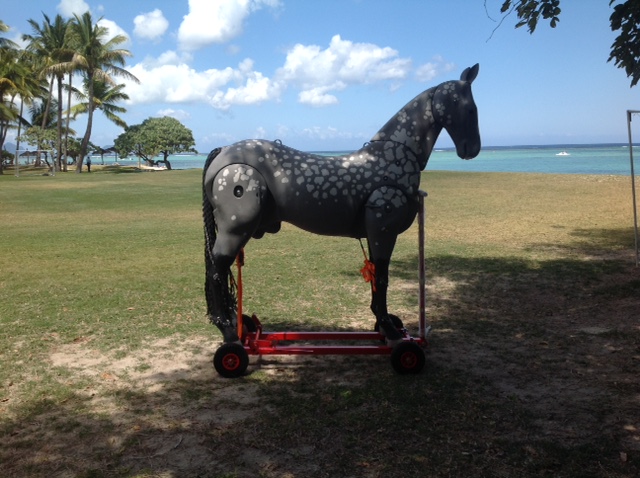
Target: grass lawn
x,y
105,350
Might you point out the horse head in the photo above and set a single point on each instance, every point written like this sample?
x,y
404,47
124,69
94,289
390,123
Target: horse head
x,y
455,110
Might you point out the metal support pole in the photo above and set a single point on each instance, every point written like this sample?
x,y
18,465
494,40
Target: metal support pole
x,y
633,185
423,328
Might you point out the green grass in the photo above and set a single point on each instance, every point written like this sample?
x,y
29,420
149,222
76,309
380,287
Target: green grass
x,y
112,264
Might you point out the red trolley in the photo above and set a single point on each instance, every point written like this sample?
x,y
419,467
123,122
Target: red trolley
x,y
407,356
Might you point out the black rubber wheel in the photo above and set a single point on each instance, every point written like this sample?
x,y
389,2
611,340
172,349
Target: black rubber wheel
x,y
231,360
407,358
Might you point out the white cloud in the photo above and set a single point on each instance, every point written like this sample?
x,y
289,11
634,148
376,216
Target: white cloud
x,y
216,21
112,30
328,133
317,97
179,83
318,74
218,138
180,115
341,64
150,26
431,70
259,133
169,57
68,8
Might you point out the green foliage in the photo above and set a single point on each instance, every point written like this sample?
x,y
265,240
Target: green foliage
x,y
529,11
155,136
105,97
42,138
625,50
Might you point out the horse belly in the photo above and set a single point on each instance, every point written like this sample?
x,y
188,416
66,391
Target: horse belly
x,y
337,216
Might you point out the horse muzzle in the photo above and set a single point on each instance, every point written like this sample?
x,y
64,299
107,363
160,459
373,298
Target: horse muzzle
x,y
468,150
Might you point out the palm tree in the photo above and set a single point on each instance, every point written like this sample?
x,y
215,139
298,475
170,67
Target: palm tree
x,y
28,87
49,43
8,79
8,64
99,60
104,98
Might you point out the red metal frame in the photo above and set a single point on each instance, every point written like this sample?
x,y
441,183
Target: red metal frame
x,y
261,342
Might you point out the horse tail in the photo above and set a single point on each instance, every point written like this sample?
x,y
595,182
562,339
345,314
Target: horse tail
x,y
209,232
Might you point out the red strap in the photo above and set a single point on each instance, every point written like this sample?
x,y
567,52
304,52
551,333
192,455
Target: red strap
x,y
368,271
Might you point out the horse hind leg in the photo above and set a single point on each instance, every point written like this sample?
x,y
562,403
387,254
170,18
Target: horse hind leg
x,y
237,195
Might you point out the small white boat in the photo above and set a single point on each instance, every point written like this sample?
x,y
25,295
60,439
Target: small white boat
x,y
563,153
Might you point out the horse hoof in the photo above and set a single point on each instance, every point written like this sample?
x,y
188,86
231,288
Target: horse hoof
x,y
397,323
388,329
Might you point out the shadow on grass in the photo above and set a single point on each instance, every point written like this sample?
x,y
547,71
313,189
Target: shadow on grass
x,y
533,372
115,169
599,243
312,418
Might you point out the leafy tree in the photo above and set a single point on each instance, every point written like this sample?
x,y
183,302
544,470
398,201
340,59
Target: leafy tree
x,y
47,139
153,137
625,19
44,139
74,147
6,158
99,60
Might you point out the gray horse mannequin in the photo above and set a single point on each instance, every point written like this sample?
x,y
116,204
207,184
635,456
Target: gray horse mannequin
x,y
250,187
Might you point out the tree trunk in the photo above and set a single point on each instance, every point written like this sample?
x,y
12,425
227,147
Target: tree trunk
x,y
44,120
166,160
3,134
17,158
59,135
66,133
87,134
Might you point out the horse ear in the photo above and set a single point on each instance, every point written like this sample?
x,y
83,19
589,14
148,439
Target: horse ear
x,y
469,74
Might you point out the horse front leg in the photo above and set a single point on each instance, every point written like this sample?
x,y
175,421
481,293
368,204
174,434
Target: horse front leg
x,y
237,207
388,324
379,292
387,214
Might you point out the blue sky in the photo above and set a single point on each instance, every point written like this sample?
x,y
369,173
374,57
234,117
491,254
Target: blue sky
x,y
326,75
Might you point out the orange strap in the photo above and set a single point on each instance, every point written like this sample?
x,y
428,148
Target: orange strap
x,y
368,271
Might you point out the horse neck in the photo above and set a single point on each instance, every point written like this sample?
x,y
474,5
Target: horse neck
x,y
414,126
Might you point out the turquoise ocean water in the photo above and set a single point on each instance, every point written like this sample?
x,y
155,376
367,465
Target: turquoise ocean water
x,y
580,159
